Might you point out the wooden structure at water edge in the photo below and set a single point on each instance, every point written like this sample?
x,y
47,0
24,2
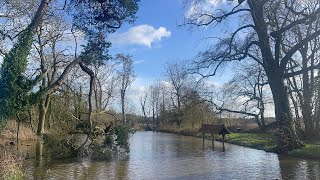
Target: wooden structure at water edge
x,y
214,129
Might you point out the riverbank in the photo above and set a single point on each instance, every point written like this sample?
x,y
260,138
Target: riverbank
x,y
260,141
10,166
311,150
11,160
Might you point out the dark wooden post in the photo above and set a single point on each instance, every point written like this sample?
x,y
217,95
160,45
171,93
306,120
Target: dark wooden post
x,y
212,136
223,135
203,140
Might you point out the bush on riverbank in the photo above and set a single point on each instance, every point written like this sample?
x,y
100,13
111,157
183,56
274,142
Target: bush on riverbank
x,y
122,133
10,166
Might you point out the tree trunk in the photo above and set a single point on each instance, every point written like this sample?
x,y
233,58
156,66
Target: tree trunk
x,y
287,135
153,116
42,115
318,127
18,129
275,68
295,103
317,113
256,118
306,108
43,107
123,107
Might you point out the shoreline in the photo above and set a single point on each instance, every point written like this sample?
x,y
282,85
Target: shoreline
x,y
259,141
227,140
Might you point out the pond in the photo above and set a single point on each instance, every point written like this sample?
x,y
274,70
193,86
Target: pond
x,y
169,156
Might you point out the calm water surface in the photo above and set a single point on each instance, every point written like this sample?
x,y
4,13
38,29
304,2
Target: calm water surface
x,y
169,156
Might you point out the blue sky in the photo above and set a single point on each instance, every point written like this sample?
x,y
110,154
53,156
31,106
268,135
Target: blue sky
x,y
156,38
173,42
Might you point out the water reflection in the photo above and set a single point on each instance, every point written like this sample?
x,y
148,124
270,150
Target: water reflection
x,y
167,156
299,169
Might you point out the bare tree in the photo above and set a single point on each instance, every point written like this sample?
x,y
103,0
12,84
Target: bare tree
x,y
155,101
105,85
268,24
16,97
51,58
249,91
127,76
143,103
303,86
177,74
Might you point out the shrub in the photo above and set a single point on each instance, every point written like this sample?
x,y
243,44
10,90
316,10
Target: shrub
x,y
122,132
10,166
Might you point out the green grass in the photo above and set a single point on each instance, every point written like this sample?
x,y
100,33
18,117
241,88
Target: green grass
x,y
310,150
261,141
268,142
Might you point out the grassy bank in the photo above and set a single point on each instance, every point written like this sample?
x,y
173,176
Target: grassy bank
x,y
11,162
310,150
261,141
268,142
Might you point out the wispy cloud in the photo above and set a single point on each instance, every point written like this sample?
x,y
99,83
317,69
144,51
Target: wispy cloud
x,y
138,62
198,8
144,35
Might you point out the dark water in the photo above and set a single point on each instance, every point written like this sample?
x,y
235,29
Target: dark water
x,y
168,156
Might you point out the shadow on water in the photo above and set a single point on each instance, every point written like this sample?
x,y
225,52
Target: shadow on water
x,y
169,156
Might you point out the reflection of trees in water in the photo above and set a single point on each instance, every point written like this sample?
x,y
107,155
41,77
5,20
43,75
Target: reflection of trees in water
x,y
292,168
161,155
41,161
122,170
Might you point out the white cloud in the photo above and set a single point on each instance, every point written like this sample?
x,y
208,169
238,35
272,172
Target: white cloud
x,y
145,35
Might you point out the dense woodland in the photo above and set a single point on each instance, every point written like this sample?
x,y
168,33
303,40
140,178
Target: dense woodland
x,y
57,76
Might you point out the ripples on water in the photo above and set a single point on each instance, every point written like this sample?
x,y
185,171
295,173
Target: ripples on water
x,y
168,156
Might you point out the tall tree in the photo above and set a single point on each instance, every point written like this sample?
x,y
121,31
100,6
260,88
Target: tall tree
x,y
155,101
249,91
178,76
127,76
268,23
89,16
143,103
